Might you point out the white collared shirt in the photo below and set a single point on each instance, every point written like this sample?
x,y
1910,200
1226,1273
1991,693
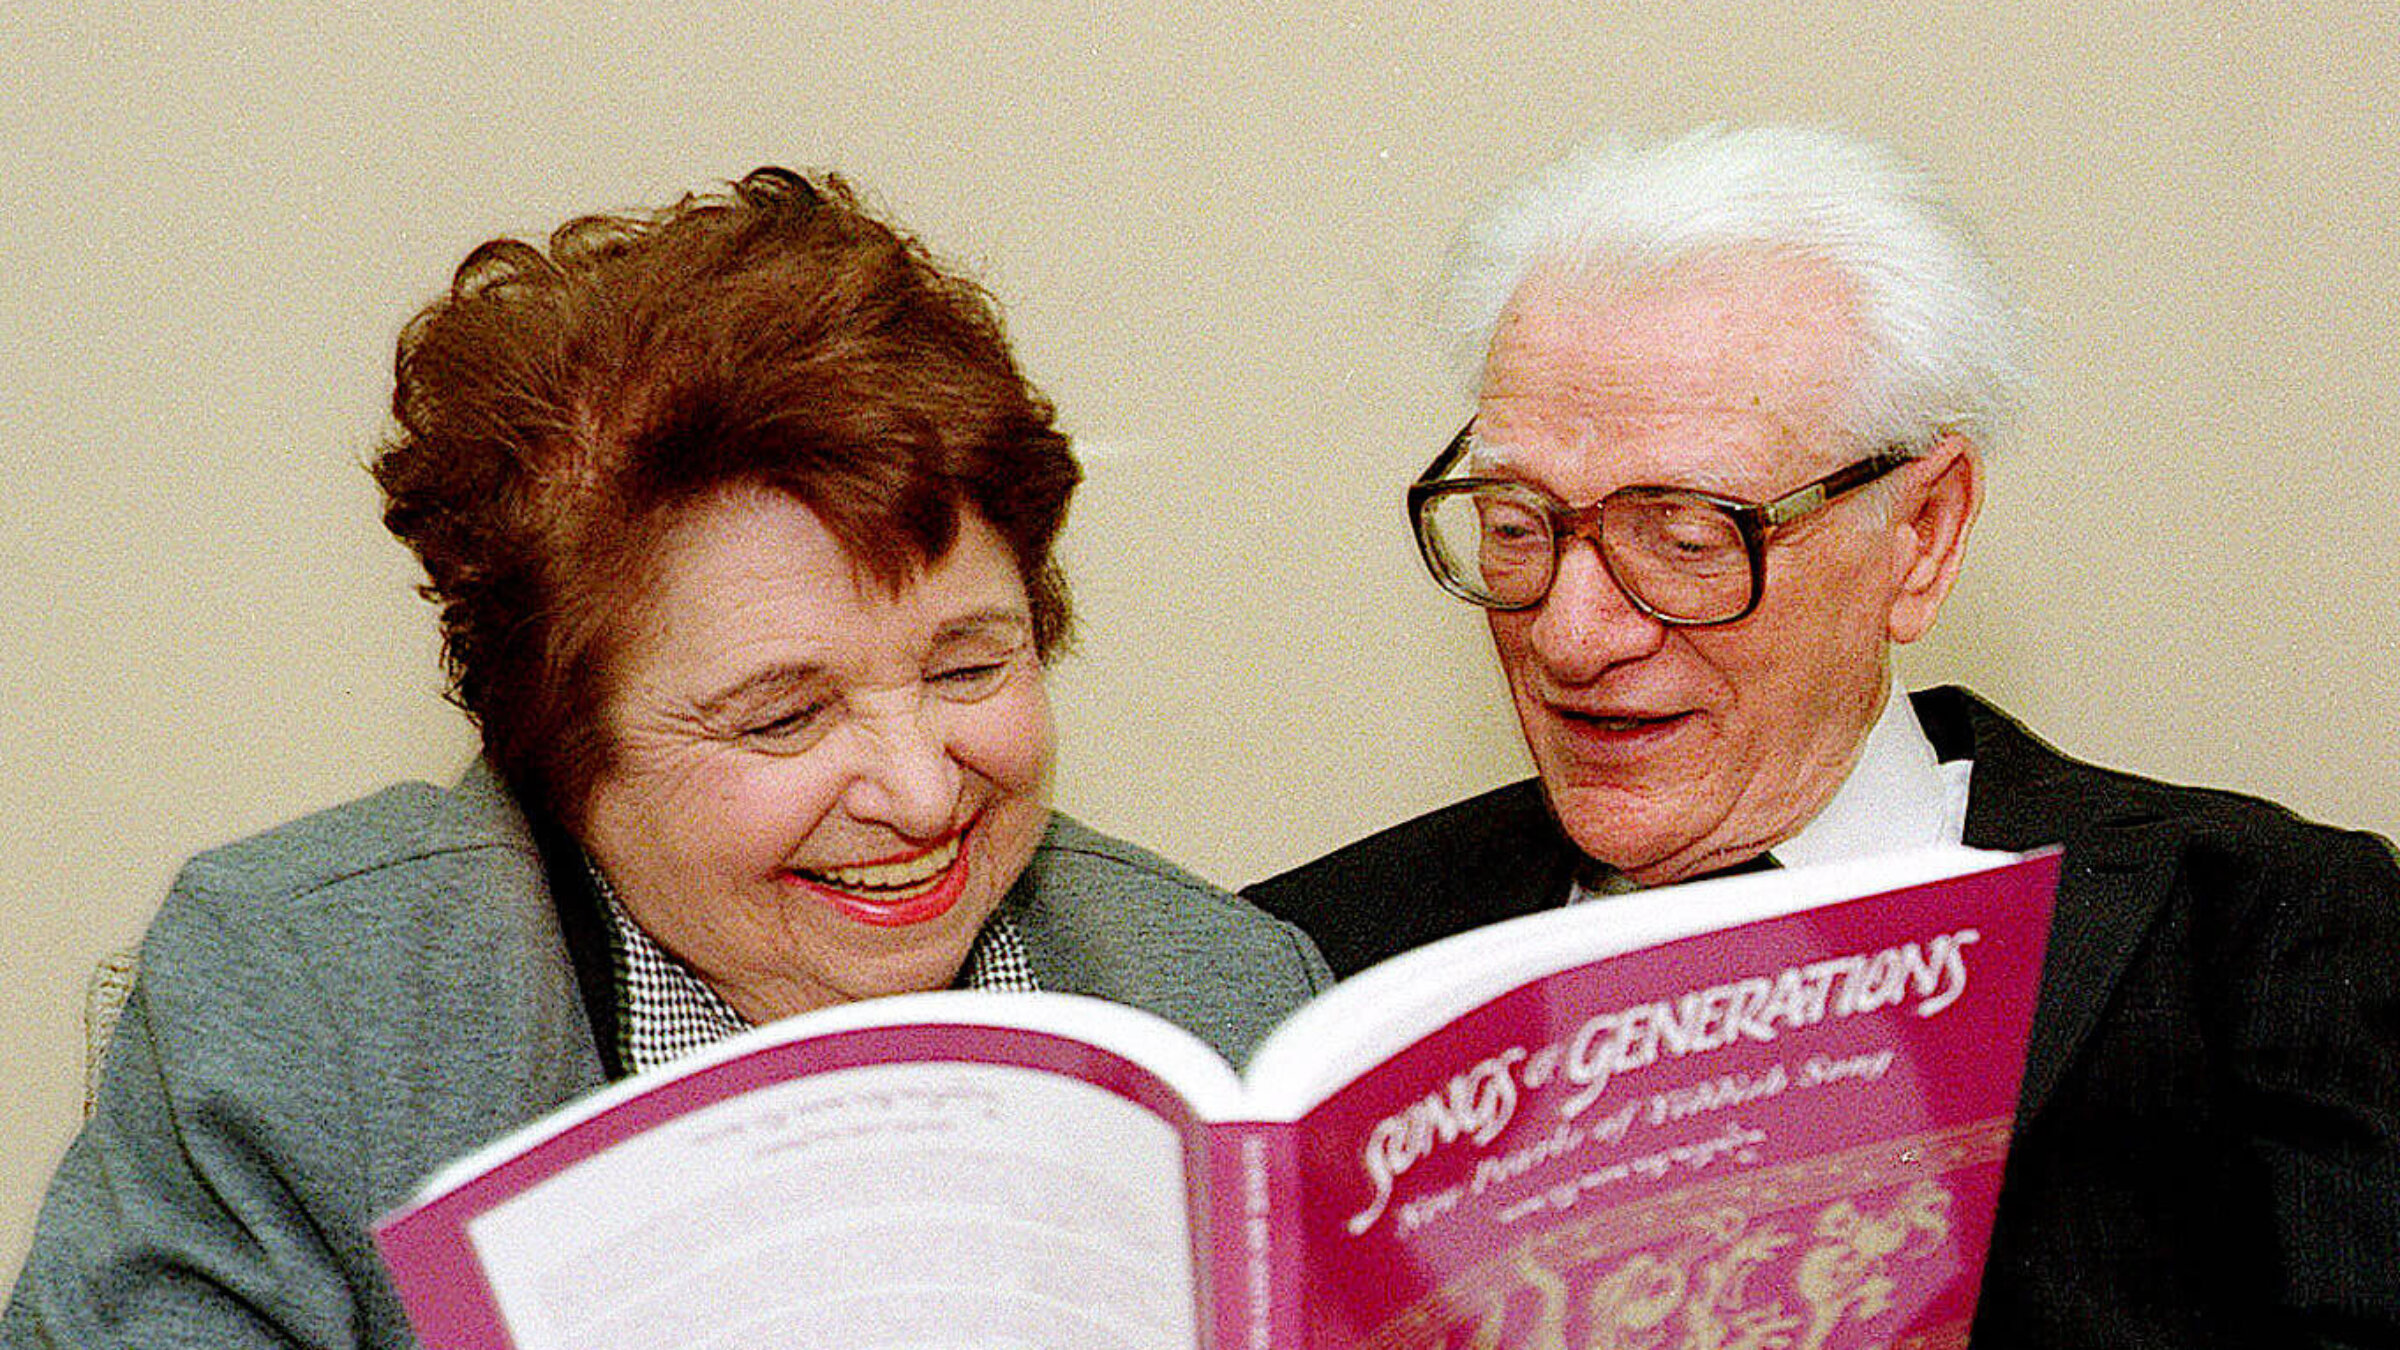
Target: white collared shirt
x,y
1899,796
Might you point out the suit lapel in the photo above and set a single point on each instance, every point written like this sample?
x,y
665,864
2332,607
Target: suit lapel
x,y
2119,867
1531,862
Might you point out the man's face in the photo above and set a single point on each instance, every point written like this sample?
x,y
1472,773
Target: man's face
x,y
1670,751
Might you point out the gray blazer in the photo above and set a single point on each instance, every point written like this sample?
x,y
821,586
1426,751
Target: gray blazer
x,y
329,1011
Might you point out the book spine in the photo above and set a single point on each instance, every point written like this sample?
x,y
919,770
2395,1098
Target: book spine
x,y
1253,1283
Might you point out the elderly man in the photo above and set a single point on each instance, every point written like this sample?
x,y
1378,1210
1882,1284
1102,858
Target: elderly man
x,y
1734,396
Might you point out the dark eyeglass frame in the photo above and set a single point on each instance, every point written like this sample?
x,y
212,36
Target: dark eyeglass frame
x,y
1754,520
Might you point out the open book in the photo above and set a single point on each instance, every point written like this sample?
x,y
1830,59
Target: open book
x,y
1768,1110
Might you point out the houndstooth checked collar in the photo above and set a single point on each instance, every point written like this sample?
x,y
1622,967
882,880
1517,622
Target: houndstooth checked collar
x,y
664,1010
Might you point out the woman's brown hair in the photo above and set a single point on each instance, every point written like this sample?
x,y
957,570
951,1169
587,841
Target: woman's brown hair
x,y
560,406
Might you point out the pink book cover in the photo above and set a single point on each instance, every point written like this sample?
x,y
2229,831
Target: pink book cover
x,y
1786,1135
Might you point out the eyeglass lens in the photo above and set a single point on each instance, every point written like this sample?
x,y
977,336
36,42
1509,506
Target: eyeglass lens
x,y
1679,555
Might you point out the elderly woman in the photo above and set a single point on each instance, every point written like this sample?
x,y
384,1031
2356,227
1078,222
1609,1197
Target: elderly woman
x,y
740,519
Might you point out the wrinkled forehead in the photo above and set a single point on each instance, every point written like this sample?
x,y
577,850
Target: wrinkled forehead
x,y
1585,454
1734,372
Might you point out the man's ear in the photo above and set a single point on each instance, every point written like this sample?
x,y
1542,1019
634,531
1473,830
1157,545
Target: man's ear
x,y
1933,508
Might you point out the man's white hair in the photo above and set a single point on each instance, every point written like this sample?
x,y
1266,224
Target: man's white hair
x,y
1943,342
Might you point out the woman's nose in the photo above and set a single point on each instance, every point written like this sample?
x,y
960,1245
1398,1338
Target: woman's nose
x,y
906,778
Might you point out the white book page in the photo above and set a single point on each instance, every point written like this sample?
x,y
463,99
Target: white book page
x,y
1385,1008
1207,1083
893,1207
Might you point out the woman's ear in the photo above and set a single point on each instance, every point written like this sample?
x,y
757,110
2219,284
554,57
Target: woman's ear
x,y
1933,510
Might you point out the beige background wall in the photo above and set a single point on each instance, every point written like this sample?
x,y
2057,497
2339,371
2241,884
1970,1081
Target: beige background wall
x,y
1214,237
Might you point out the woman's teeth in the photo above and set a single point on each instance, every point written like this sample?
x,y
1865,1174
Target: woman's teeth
x,y
902,874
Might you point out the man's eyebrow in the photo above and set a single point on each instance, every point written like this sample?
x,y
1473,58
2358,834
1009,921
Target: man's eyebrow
x,y
1484,456
1499,460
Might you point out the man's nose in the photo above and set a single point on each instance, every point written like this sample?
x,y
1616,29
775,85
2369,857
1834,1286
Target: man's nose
x,y
1587,624
906,778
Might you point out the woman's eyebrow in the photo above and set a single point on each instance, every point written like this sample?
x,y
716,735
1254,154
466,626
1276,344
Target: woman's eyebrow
x,y
1010,621
776,678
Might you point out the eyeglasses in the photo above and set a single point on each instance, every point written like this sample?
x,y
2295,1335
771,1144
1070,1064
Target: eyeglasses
x,y
1683,557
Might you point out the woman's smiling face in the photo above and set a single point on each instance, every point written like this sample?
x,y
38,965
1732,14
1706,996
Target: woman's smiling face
x,y
821,787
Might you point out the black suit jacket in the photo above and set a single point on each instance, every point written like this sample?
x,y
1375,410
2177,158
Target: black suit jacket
x,y
2208,1137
